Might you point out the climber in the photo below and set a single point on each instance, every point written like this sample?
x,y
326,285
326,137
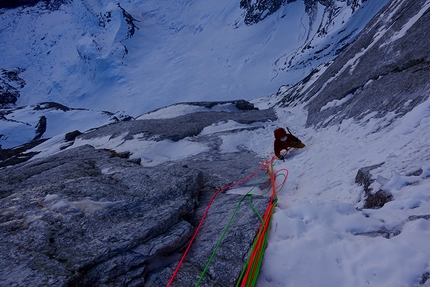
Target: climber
x,y
285,141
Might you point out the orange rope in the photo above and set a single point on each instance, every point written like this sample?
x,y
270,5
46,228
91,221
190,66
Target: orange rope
x,y
203,217
249,275
260,242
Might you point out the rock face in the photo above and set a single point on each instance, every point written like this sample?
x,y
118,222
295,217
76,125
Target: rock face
x,y
93,217
372,200
10,84
179,127
385,69
258,10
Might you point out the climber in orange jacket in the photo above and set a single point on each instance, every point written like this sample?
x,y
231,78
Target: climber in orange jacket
x,y
285,141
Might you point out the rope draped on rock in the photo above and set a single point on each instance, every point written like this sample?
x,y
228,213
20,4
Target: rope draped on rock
x,y
249,274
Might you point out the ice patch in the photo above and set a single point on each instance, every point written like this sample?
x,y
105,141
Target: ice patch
x,y
222,127
336,103
396,182
50,197
172,112
86,206
153,153
60,205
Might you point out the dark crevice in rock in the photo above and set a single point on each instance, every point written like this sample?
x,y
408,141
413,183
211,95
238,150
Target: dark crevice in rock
x,y
130,20
18,154
72,135
416,217
418,172
51,105
382,232
425,278
241,105
40,128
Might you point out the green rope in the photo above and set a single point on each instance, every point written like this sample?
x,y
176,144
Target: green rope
x,y
253,207
227,227
259,260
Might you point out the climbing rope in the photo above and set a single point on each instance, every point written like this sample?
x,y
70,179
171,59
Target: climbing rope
x,y
202,219
227,227
249,274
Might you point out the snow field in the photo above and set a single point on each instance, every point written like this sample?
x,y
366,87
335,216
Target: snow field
x,y
320,235
320,238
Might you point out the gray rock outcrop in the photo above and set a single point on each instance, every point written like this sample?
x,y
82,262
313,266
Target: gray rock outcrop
x,y
179,127
10,85
372,199
93,217
385,69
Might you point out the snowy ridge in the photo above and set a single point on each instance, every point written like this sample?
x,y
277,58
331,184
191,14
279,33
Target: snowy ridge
x,y
323,231
320,235
19,126
139,57
330,30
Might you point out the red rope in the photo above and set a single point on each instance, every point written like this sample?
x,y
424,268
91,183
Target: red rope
x,y
259,247
203,217
254,262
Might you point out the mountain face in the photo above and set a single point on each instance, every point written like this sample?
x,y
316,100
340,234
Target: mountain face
x,y
139,56
27,124
100,199
257,11
384,70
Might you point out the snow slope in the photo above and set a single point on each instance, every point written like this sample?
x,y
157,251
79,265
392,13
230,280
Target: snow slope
x,y
18,126
85,55
320,234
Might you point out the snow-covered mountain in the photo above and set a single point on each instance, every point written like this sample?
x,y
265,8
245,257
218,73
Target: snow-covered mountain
x,y
116,205
137,56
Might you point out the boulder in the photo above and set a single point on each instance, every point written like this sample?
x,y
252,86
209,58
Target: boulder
x,y
364,178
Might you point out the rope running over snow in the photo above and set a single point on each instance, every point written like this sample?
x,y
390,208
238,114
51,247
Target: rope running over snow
x,y
248,278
